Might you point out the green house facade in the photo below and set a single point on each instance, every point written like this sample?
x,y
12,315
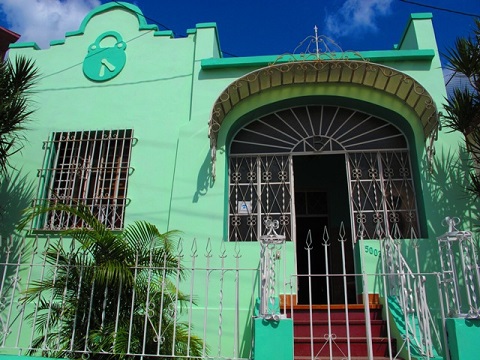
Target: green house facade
x,y
299,149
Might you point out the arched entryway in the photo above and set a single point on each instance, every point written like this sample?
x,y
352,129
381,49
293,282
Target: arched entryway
x,y
314,166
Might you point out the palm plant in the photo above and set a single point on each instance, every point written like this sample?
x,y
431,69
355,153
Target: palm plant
x,y
111,294
463,107
16,80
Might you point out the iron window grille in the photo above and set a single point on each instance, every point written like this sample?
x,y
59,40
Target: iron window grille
x,y
90,168
260,191
382,195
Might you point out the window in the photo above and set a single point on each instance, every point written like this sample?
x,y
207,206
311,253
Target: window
x,y
89,168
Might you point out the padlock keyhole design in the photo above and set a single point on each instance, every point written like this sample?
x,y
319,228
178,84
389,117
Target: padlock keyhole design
x,y
106,57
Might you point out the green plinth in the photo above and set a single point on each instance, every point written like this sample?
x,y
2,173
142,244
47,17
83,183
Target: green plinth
x,y
463,338
273,339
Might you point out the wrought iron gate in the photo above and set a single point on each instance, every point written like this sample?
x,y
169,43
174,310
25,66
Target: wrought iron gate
x,y
377,159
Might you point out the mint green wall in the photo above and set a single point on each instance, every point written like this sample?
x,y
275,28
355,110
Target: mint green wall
x,y
418,33
273,339
369,259
151,95
166,95
463,335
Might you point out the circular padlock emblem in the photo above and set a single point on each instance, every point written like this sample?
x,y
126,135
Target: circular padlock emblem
x,y
104,63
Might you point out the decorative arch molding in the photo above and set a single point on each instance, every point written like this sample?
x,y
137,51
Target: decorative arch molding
x,y
358,72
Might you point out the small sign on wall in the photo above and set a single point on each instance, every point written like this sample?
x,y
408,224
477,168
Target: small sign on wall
x,y
244,207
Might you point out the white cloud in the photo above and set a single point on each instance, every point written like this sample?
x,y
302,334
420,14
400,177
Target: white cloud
x,y
45,20
356,16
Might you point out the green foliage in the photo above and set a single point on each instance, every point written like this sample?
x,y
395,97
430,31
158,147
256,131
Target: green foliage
x,y
464,58
463,108
111,294
16,80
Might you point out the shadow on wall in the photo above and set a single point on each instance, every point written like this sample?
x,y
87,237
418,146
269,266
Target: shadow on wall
x,y
246,343
204,179
446,194
449,186
16,193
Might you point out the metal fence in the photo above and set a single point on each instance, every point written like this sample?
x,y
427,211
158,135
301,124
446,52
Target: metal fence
x,y
402,308
57,301
198,301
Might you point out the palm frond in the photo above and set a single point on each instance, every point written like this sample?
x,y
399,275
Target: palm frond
x,y
464,57
16,80
106,289
144,236
474,186
462,110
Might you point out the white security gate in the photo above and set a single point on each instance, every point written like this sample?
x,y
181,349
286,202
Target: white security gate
x,y
377,161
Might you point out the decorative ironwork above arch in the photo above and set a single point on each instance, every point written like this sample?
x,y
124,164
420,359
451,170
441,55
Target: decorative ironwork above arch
x,y
316,129
359,72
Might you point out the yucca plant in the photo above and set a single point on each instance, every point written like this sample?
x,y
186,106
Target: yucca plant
x,y
111,294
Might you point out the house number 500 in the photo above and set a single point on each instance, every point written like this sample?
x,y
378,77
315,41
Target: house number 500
x,y
370,250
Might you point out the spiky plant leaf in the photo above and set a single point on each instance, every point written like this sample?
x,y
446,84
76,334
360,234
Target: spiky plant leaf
x,y
111,293
16,81
462,110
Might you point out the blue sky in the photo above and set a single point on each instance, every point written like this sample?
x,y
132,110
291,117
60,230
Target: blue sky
x,y
256,27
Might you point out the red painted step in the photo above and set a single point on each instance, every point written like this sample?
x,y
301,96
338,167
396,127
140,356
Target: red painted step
x,y
342,358
337,312
357,328
358,346
334,316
